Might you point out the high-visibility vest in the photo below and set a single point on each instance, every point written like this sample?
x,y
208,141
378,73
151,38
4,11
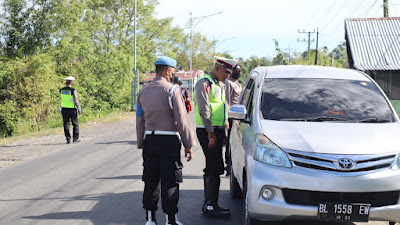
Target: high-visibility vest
x,y
67,97
217,104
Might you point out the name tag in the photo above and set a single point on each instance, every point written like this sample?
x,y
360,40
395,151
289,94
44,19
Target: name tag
x,y
217,92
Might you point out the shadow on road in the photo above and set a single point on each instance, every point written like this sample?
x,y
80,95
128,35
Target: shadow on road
x,y
117,142
126,208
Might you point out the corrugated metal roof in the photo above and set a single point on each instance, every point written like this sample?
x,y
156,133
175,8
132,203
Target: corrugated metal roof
x,y
374,43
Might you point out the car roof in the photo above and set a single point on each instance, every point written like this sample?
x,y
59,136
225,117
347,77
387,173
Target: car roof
x,y
319,72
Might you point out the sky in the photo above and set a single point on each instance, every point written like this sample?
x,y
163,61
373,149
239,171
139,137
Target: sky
x,y
247,28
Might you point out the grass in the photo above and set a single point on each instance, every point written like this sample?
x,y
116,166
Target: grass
x,y
110,118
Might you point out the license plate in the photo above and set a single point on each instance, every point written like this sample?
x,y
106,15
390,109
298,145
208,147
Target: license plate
x,y
346,212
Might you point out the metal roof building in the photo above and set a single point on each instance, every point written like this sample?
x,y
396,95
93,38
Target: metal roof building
x,y
374,43
373,46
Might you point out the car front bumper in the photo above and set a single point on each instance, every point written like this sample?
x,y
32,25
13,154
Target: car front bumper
x,y
279,178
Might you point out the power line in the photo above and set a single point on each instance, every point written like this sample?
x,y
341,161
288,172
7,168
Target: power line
x,y
372,6
335,16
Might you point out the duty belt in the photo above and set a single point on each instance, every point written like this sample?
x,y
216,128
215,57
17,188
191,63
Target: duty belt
x,y
161,132
215,127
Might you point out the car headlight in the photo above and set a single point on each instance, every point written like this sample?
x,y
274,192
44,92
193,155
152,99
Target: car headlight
x,y
397,164
268,152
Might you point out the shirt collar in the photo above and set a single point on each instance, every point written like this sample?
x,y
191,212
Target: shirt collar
x,y
215,80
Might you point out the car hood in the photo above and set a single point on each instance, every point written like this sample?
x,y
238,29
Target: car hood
x,y
334,137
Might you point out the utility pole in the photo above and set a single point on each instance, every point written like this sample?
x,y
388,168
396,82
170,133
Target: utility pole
x,y
333,58
133,86
289,50
191,25
215,45
191,54
316,50
309,41
385,8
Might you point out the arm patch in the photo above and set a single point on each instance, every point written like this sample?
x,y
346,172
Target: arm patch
x,y
139,110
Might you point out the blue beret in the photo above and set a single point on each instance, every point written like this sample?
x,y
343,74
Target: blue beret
x,y
165,61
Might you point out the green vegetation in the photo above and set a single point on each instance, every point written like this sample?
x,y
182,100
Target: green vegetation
x,y
43,41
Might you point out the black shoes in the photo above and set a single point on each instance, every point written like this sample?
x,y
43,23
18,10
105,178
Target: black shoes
x,y
216,211
75,141
228,170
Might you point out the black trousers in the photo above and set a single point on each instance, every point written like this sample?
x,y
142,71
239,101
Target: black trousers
x,y
227,147
70,114
214,164
162,172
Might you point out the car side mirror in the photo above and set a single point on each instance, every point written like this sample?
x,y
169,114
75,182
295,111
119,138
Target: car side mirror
x,y
237,112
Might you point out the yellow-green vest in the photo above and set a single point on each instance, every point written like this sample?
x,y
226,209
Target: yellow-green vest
x,y
216,102
67,98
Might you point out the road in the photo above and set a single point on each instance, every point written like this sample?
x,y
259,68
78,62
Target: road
x,y
98,181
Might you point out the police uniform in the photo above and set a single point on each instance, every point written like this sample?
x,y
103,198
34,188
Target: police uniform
x,y
233,89
69,106
211,115
160,133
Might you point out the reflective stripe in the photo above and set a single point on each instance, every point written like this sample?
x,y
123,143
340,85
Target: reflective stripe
x,y
161,132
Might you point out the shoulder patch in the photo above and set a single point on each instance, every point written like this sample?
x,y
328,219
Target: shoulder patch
x,y
207,86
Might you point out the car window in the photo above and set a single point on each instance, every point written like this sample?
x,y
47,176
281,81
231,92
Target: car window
x,y
249,106
247,92
324,99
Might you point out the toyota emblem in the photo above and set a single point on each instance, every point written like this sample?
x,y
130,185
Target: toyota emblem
x,y
346,164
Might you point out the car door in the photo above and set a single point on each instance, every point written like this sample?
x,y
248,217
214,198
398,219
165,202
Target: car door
x,y
242,130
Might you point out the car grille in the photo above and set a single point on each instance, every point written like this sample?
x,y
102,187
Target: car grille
x,y
330,162
313,198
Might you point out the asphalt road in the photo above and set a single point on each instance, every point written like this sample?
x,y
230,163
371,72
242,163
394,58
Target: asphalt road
x,y
98,182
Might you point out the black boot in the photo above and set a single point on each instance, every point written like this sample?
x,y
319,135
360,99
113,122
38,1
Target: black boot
x,y
211,194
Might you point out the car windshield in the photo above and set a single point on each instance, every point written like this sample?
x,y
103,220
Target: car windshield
x,y
318,100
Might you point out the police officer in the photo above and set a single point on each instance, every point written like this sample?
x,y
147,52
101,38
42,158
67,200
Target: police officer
x,y
69,106
233,89
211,122
185,94
161,118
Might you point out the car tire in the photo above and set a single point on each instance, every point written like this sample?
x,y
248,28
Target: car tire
x,y
392,223
236,192
248,220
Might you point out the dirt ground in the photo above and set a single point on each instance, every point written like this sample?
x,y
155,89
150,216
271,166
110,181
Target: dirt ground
x,y
31,148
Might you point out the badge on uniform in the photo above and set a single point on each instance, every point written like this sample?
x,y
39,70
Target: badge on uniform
x,y
207,87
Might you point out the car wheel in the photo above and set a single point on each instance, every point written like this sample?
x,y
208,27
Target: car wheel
x,y
392,223
234,186
247,218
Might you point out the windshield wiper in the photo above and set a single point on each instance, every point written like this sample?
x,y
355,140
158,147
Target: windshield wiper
x,y
316,119
374,120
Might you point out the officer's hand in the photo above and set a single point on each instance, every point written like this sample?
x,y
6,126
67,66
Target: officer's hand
x,y
212,140
225,139
79,112
226,125
188,154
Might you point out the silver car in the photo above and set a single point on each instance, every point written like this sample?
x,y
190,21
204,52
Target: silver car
x,y
312,142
